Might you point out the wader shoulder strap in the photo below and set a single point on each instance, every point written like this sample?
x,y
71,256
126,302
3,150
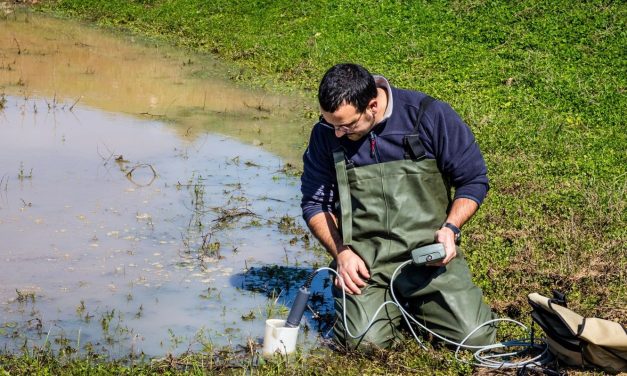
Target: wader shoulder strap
x,y
413,146
346,223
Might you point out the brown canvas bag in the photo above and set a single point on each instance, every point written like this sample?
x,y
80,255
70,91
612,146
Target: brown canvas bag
x,y
580,341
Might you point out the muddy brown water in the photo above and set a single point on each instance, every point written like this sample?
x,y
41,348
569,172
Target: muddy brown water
x,y
139,187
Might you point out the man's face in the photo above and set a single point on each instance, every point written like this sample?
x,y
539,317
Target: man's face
x,y
346,120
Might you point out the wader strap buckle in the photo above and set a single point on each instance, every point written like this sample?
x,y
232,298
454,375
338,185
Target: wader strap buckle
x,y
414,149
346,223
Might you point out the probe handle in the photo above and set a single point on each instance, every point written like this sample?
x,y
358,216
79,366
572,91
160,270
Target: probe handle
x,y
298,308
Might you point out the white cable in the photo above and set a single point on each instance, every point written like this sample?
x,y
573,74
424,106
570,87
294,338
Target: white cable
x,y
344,305
481,360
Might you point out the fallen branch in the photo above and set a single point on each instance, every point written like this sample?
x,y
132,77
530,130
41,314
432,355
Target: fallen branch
x,y
129,174
230,214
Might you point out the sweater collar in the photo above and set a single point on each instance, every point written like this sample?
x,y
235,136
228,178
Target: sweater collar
x,y
383,83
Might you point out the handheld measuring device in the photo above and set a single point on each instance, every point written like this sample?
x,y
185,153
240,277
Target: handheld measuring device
x,y
428,254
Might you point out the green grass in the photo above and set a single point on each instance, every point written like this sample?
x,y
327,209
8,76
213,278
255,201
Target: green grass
x,y
227,361
541,83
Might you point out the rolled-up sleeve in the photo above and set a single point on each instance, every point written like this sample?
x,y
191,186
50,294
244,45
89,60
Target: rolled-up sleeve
x,y
318,183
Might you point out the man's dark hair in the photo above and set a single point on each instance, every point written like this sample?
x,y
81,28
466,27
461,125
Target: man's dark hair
x,y
346,83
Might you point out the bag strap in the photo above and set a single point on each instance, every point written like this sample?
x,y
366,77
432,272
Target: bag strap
x,y
552,323
559,298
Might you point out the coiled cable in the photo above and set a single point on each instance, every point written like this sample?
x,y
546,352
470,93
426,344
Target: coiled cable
x,y
484,355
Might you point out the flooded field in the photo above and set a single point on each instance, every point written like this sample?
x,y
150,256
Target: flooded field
x,y
138,211
68,62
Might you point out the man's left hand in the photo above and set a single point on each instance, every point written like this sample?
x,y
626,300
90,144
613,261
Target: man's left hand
x,y
446,236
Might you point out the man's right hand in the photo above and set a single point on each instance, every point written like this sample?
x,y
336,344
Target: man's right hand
x,y
349,265
352,268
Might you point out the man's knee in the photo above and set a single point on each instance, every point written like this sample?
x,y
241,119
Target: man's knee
x,y
382,335
485,335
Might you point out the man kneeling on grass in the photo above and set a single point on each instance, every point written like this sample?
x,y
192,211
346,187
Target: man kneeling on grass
x,y
376,185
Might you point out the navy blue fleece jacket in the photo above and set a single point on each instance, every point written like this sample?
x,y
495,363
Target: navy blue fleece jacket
x,y
446,138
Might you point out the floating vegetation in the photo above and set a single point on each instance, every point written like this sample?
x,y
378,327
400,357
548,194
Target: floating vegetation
x,y
22,174
25,296
291,170
227,215
81,308
249,316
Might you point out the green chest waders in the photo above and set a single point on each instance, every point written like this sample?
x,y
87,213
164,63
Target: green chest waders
x,y
388,209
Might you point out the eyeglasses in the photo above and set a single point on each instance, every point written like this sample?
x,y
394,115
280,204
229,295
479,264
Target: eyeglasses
x,y
342,128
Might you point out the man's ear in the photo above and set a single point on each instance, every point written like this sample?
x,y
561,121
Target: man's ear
x,y
374,106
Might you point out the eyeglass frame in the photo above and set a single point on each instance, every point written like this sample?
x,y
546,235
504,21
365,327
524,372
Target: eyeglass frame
x,y
346,129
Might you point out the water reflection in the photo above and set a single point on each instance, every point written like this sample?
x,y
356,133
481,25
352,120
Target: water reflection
x,y
141,264
281,283
75,64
